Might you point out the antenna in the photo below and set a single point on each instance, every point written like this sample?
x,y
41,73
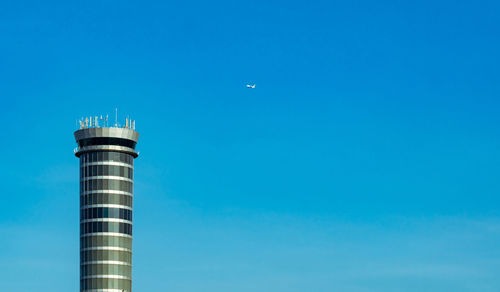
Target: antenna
x,y
116,117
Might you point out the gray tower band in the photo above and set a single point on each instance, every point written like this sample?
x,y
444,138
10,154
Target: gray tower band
x,y
106,193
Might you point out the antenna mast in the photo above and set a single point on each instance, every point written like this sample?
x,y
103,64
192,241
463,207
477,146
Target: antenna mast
x,y
116,117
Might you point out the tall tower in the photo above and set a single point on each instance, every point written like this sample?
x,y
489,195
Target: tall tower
x,y
106,191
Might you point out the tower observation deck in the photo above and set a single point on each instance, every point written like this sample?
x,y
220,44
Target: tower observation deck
x,y
106,194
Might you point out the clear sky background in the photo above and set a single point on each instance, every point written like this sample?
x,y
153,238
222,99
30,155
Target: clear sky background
x,y
366,159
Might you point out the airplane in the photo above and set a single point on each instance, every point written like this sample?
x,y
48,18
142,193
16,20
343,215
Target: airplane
x,y
250,86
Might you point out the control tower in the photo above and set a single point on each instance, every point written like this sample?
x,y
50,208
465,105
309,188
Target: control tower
x,y
106,194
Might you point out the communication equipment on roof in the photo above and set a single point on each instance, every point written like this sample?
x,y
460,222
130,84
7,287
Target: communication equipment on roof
x,y
103,122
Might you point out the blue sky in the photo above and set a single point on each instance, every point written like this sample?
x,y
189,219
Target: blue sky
x,y
365,160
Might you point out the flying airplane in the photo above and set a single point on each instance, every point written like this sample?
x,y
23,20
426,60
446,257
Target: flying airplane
x,y
250,86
